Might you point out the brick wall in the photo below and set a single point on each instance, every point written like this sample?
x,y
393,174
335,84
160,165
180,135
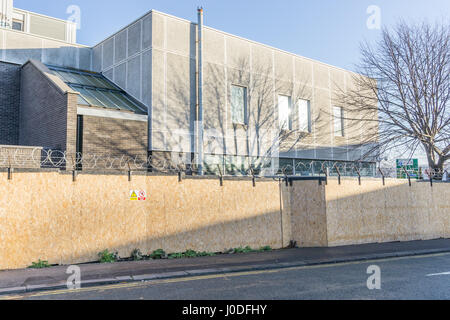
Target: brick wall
x,y
115,137
9,103
47,114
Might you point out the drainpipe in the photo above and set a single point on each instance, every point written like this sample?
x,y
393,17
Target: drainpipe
x,y
199,108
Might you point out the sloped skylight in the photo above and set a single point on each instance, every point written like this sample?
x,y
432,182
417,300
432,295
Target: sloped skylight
x,y
97,91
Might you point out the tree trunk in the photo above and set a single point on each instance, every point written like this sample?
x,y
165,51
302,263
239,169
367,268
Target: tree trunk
x,y
436,167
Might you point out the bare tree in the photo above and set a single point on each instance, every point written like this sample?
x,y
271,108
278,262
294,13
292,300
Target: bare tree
x,y
265,135
257,140
405,79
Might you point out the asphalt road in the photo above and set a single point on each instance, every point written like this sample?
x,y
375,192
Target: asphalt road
x,y
420,277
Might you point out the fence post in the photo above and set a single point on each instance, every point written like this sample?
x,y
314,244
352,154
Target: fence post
x,y
320,177
253,176
359,175
409,178
339,174
220,175
129,171
286,177
74,170
382,176
10,169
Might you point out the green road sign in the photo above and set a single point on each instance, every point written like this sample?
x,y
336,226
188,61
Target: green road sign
x,y
411,166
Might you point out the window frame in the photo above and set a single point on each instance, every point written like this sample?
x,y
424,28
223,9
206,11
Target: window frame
x,y
245,98
309,117
341,132
21,22
289,114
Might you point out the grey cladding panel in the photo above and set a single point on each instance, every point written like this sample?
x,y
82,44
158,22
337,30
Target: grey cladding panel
x,y
134,77
340,154
120,75
147,32
85,58
97,58
324,153
21,47
120,46
147,77
63,56
108,52
134,39
21,56
109,74
306,153
47,27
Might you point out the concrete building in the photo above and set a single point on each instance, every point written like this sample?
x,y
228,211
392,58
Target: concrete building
x,y
198,94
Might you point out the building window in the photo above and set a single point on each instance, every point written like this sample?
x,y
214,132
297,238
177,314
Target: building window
x,y
284,112
17,25
239,104
338,115
304,115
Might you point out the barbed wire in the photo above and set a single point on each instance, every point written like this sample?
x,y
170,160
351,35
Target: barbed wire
x,y
37,158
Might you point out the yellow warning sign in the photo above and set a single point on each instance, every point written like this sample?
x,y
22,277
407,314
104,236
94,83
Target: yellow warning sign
x,y
138,195
133,196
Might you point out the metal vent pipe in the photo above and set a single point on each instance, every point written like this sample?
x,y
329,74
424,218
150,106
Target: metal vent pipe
x,y
199,108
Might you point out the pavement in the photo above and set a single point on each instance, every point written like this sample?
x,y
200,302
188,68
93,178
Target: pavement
x,y
96,274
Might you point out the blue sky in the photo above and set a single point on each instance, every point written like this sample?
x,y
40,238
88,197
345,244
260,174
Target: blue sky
x,y
326,30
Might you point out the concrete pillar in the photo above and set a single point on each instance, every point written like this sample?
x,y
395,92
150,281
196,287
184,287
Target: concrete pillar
x,y
71,32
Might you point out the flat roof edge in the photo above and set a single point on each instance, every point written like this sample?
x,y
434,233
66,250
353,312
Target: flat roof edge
x,y
113,114
229,35
75,45
43,15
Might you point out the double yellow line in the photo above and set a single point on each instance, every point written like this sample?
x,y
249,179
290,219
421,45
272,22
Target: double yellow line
x,y
131,285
